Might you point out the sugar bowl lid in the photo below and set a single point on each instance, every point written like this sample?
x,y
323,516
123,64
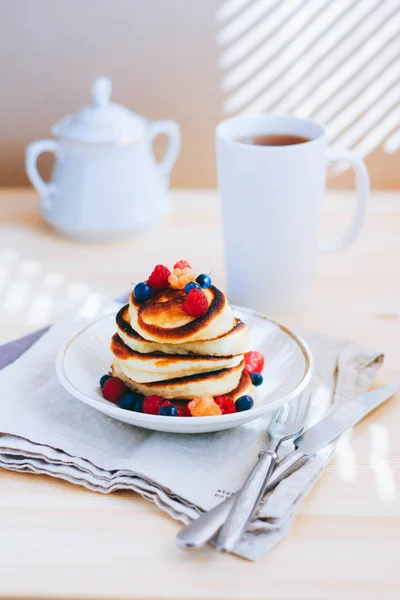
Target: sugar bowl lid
x,y
103,121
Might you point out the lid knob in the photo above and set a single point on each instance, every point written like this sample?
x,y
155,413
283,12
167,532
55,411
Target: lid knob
x,y
101,91
103,121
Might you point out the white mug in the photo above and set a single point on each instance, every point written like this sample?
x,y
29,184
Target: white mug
x,y
272,200
106,182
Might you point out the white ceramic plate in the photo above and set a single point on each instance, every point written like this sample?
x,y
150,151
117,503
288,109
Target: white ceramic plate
x,y
86,357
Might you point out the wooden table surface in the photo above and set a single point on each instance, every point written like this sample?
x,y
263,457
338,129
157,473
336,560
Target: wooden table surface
x,y
61,541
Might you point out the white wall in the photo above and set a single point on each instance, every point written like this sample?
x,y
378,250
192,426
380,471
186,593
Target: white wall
x,y
161,54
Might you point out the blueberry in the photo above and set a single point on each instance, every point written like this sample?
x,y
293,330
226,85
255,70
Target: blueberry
x,y
191,286
204,280
244,403
168,411
138,404
103,380
256,379
142,291
131,401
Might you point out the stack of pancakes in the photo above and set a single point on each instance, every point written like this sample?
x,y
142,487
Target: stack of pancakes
x,y
158,349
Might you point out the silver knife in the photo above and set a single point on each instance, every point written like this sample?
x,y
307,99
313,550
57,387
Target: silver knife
x,y
202,530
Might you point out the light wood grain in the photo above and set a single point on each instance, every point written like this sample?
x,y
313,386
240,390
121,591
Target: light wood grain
x,y
60,541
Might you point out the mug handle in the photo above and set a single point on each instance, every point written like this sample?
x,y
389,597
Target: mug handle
x,y
172,130
32,153
362,190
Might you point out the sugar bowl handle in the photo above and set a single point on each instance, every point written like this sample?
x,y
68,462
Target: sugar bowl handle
x,y
171,129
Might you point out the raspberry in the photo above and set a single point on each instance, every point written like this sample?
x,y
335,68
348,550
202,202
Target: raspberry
x,y
254,362
226,404
104,379
204,406
113,389
195,304
180,277
152,404
181,264
183,411
158,280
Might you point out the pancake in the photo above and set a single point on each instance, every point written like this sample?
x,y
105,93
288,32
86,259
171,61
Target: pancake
x,y
157,366
161,318
234,342
215,383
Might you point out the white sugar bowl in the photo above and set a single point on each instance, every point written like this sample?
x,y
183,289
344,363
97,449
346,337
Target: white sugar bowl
x,y
106,182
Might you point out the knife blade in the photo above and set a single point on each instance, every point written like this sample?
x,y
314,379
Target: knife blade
x,y
338,420
328,429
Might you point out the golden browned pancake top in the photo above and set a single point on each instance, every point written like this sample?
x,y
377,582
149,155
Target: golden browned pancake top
x,y
123,323
242,388
212,375
122,320
234,382
122,352
233,343
161,317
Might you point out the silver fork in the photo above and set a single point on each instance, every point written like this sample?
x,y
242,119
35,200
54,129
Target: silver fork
x,y
205,528
287,423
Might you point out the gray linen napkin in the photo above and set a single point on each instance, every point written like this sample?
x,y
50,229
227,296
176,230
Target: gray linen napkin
x,y
45,430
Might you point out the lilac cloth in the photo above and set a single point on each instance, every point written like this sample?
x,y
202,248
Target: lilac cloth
x,y
13,350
